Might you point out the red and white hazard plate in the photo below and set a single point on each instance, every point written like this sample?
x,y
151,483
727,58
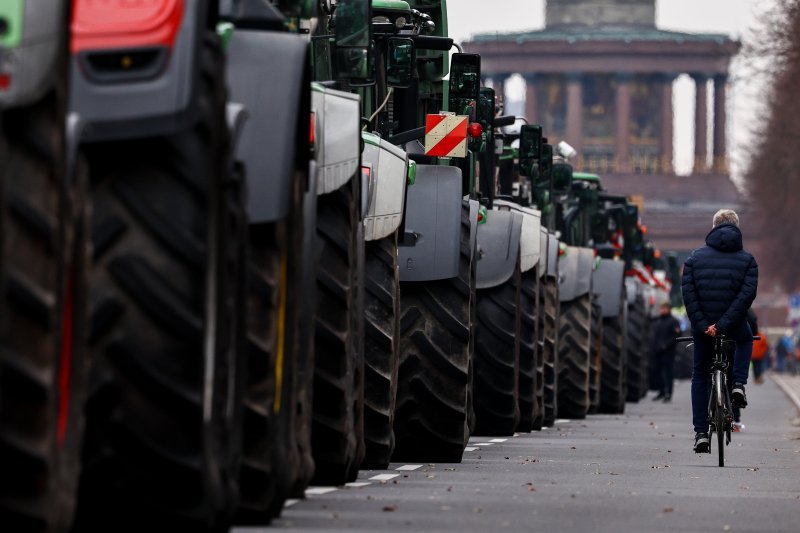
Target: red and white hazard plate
x,y
446,135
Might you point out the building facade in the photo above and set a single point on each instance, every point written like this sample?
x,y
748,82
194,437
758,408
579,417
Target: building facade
x,y
600,76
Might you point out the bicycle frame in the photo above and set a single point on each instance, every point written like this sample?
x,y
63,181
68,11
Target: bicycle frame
x,y
720,395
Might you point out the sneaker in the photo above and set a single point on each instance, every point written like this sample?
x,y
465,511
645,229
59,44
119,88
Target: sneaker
x,y
737,427
738,397
659,396
701,443
667,398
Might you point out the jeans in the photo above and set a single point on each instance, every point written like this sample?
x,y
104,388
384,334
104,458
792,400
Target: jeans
x,y
701,372
666,361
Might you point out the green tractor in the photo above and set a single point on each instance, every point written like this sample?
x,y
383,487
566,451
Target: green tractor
x,y
149,119
419,256
43,262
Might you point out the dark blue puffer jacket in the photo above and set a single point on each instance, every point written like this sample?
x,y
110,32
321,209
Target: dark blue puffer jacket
x,y
719,281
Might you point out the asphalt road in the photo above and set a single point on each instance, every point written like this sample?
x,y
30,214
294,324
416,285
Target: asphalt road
x,y
629,473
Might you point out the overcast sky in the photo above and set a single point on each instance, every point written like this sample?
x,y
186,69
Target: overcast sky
x,y
734,17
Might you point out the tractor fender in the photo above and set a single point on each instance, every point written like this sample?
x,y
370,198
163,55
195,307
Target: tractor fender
x,y
576,272
30,48
236,116
474,207
553,267
337,136
158,100
530,239
543,240
607,280
268,140
499,244
388,168
431,244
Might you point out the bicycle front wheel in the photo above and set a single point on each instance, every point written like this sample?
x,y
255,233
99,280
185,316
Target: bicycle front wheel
x,y
719,421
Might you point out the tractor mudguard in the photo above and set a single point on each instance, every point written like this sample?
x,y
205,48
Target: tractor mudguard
x,y
474,208
633,288
576,272
607,280
543,256
388,168
530,240
267,74
499,242
337,141
553,255
29,48
236,116
431,245
134,70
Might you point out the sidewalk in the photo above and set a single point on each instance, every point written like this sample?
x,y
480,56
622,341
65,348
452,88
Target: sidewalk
x,y
790,385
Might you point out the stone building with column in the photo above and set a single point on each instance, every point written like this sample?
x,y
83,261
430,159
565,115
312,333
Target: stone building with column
x,y
600,76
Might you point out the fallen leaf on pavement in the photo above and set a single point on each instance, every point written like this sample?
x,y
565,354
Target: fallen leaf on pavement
x,y
389,508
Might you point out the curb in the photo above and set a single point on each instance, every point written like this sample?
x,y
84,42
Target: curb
x,y
792,395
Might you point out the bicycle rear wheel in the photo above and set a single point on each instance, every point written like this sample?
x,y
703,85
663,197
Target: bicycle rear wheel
x,y
719,415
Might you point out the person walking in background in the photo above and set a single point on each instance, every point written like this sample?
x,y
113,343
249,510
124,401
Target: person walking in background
x,y
664,330
782,351
760,348
760,351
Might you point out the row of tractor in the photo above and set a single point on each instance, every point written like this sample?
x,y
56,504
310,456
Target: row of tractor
x,y
250,245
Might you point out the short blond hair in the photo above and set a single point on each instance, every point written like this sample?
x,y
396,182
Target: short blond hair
x,y
725,216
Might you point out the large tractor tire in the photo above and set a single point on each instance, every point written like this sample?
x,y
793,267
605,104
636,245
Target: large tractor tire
x,y
638,350
613,375
595,363
161,445
433,389
551,316
382,349
575,351
497,349
334,438
529,407
43,352
269,459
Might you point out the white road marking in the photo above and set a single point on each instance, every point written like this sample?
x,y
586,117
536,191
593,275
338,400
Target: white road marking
x,y
498,440
408,467
471,448
290,502
561,421
316,491
384,477
357,484
483,443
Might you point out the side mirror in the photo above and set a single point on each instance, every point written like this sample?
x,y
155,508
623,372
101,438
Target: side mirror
x,y
354,55
545,177
485,108
465,79
562,176
399,61
530,148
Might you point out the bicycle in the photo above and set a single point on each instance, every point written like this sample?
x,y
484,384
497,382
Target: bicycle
x,y
720,408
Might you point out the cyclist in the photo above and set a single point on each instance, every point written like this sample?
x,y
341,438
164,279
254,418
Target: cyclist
x,y
719,284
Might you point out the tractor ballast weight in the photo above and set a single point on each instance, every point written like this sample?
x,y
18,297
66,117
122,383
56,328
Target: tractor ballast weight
x,y
29,48
607,279
336,136
499,245
255,60
575,269
388,170
531,238
430,247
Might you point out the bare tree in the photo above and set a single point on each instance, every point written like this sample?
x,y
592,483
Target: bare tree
x,y
773,173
